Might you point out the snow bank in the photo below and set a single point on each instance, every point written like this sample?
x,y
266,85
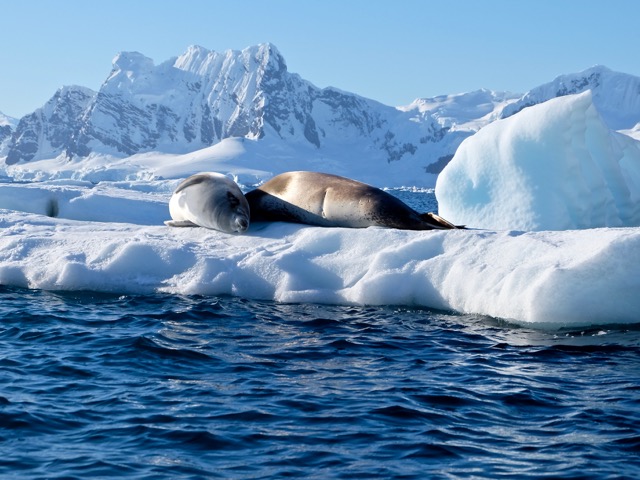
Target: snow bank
x,y
553,166
573,278
142,204
249,162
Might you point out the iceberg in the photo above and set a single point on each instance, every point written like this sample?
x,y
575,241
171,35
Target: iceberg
x,y
552,166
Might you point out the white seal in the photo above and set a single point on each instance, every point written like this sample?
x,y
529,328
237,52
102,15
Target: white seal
x,y
209,200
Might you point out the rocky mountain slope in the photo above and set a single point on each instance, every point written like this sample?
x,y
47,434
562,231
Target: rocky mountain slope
x,y
201,97
7,126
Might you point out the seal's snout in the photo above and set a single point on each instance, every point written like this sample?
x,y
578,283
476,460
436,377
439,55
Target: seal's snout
x,y
241,224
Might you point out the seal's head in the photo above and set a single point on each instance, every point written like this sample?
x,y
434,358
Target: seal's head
x,y
232,213
221,207
210,200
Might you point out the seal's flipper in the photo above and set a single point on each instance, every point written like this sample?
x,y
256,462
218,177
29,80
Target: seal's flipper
x,y
180,223
436,221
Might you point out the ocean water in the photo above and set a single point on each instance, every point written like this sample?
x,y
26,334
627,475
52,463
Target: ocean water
x,y
169,387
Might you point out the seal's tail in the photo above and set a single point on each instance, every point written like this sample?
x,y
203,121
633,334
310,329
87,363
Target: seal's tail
x,y
437,221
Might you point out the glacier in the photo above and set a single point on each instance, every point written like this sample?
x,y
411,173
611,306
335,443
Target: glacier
x,y
553,166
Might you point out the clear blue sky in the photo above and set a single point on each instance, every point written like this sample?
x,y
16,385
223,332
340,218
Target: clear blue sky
x,y
392,51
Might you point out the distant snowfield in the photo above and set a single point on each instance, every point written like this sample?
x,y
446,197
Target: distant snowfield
x,y
98,226
249,162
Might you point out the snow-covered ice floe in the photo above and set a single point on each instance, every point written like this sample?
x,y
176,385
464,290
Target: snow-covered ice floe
x,y
548,279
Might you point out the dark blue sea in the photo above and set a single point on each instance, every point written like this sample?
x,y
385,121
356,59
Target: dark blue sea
x,y
168,387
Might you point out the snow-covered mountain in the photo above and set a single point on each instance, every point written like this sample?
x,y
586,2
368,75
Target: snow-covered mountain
x,y
5,120
197,100
615,95
202,97
52,129
464,111
461,114
7,126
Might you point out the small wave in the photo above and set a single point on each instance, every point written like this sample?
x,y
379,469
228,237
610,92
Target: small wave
x,y
175,387
147,345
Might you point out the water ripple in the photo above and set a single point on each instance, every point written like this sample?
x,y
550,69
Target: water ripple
x,y
166,387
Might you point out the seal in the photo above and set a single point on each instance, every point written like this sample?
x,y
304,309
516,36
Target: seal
x,y
328,200
209,200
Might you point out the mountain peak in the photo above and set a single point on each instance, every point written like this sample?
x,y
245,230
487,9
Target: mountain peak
x,y
596,69
132,62
265,49
127,67
197,50
7,121
195,60
267,56
204,62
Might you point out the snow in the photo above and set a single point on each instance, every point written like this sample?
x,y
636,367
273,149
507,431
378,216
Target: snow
x,y
247,161
84,201
615,94
110,237
201,97
97,225
553,166
7,121
468,111
573,278
633,132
